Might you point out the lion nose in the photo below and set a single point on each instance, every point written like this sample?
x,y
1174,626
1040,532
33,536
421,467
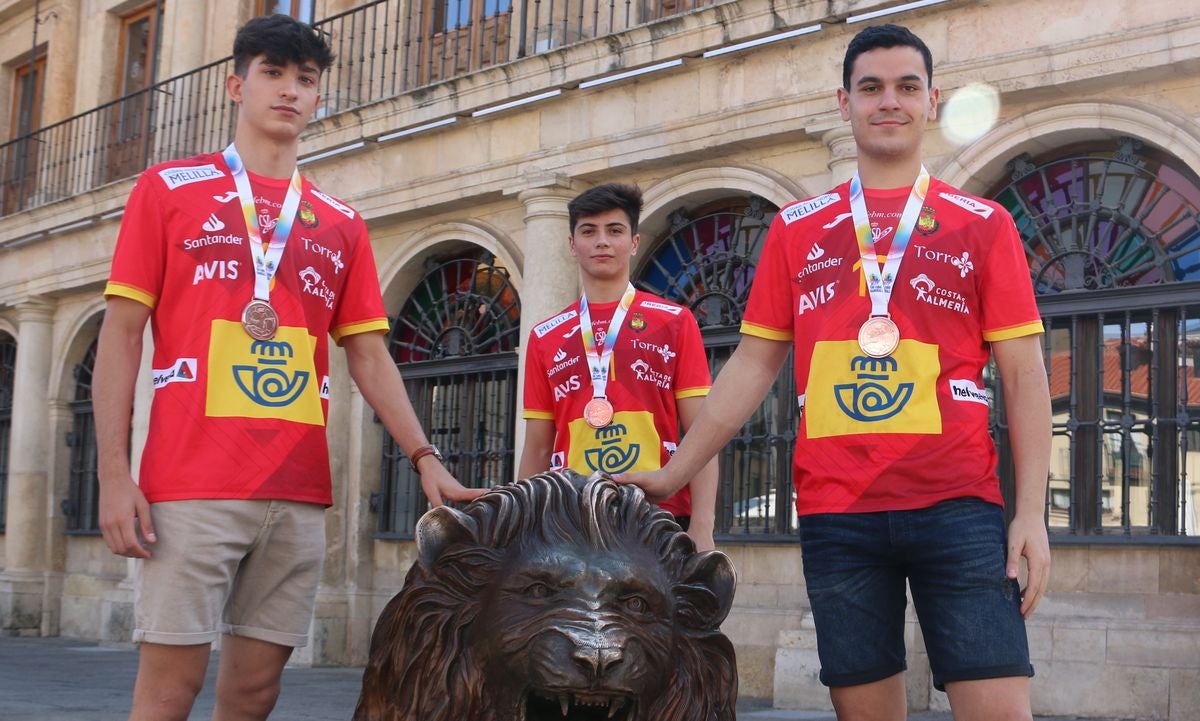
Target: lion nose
x,y
598,662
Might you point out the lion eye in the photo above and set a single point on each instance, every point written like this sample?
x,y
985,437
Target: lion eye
x,y
538,590
636,604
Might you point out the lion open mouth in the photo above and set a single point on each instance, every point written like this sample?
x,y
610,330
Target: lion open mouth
x,y
556,706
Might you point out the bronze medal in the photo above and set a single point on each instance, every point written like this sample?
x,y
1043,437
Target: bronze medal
x,y
598,412
878,337
260,320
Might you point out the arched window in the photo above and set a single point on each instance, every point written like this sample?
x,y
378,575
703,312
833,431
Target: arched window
x,y
1112,234
455,343
706,261
8,365
82,507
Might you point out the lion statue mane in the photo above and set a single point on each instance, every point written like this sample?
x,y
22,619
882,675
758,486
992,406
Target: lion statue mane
x,y
555,597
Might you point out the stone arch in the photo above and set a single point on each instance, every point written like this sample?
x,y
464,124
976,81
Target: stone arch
x,y
1037,132
705,184
402,270
75,345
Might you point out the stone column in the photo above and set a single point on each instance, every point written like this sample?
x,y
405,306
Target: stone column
x,y
843,154
551,278
28,482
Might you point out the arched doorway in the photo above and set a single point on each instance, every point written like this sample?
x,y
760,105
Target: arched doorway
x,y
8,366
455,343
82,507
1112,234
705,261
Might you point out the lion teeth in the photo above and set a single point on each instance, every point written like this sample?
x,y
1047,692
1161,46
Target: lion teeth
x,y
564,704
614,706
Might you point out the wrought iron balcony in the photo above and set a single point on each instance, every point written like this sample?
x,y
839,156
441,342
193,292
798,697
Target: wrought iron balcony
x,y
384,48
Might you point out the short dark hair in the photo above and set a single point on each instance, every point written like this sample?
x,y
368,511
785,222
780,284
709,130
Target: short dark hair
x,y
603,198
884,36
283,40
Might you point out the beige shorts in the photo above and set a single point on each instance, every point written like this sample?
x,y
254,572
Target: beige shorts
x,y
246,568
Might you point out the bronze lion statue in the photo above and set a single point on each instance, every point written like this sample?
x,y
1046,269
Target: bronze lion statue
x,y
556,597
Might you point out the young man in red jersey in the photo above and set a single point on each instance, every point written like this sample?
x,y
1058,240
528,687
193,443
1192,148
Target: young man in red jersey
x,y
610,379
894,289
243,269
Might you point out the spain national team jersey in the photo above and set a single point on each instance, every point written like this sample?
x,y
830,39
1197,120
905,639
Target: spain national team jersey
x,y
911,429
235,417
659,358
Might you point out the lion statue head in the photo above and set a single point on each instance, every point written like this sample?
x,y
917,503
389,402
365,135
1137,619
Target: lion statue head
x,y
556,597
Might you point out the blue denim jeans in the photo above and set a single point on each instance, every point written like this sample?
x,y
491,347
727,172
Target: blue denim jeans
x,y
953,557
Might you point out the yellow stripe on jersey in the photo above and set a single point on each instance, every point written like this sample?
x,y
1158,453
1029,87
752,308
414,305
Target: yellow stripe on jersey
x,y
692,392
366,326
761,331
131,292
535,415
1015,331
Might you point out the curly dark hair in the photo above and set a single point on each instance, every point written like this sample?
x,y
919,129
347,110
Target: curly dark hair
x,y
282,39
553,593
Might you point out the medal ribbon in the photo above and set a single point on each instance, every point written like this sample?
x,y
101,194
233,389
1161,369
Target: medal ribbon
x,y
881,279
266,255
600,362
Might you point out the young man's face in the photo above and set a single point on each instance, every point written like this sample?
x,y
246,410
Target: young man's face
x,y
889,102
276,100
604,245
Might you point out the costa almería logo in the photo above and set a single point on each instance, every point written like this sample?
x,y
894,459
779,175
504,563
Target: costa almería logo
x,y
644,373
928,292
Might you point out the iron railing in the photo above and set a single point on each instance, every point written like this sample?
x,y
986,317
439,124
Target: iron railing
x,y
383,48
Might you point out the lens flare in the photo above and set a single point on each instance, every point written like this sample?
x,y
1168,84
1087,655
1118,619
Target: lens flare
x,y
970,113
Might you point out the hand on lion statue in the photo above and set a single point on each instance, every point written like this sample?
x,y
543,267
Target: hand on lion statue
x,y
556,597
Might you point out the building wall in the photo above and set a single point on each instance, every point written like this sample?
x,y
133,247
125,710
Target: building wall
x,y
762,121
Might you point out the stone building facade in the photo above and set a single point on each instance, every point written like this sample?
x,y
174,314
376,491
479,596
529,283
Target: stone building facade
x,y
460,128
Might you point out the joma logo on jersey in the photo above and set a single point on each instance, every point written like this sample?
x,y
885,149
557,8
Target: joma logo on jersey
x,y
819,296
562,389
612,456
266,383
220,269
870,399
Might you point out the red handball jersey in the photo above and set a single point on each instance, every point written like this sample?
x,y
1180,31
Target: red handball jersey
x,y
911,429
233,417
659,358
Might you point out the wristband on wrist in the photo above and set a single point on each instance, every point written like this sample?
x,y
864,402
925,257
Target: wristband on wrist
x,y
425,450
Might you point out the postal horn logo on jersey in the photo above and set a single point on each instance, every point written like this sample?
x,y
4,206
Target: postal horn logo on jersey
x,y
869,398
850,393
176,177
263,379
613,455
617,447
806,208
